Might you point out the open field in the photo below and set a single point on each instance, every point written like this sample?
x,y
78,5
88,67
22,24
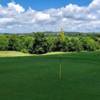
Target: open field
x,y
37,77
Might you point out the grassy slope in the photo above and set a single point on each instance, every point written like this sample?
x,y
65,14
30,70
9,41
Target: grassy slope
x,y
12,54
19,54
36,78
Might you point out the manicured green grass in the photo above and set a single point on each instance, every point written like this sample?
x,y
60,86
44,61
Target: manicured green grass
x,y
37,77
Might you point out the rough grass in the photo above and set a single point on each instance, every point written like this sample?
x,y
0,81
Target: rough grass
x,y
19,54
36,77
12,54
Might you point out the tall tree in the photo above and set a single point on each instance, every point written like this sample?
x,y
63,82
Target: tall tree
x,y
40,44
62,35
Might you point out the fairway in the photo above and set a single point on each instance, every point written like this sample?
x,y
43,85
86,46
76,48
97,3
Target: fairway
x,y
37,77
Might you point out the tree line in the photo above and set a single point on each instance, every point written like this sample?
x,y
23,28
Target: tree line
x,y
40,43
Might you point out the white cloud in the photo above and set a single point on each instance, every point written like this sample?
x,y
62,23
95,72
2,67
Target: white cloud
x,y
42,16
16,7
14,18
95,4
5,20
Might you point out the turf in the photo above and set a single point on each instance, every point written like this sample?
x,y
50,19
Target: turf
x,y
37,77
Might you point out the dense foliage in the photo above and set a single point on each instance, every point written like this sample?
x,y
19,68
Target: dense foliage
x,y
39,43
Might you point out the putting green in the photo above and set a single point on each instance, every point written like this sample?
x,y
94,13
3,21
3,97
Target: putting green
x,y
37,77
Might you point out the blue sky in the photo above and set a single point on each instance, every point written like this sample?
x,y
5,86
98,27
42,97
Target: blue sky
x,y
23,16
47,4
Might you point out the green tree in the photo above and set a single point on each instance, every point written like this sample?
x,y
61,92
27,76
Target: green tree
x,y
89,44
50,40
25,43
60,43
74,44
40,44
14,43
62,35
3,42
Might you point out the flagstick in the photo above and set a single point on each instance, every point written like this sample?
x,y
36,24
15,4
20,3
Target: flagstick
x,y
60,70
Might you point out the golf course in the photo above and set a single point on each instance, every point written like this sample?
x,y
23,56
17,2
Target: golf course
x,y
41,78
49,49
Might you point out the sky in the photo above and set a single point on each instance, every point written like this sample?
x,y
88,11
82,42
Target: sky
x,y
25,16
46,4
